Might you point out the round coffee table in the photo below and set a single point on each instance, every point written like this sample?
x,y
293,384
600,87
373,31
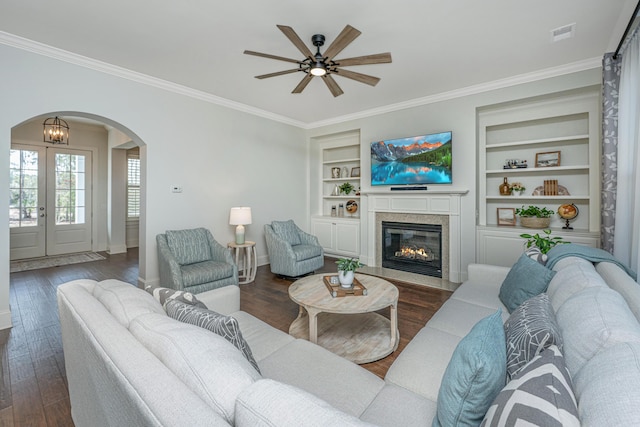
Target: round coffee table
x,y
347,326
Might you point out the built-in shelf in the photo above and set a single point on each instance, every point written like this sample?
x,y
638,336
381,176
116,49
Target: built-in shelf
x,y
514,199
571,138
543,171
349,160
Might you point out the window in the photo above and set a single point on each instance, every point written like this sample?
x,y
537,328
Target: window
x,y
23,187
133,187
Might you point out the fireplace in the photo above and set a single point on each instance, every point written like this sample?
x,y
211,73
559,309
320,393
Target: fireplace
x,y
412,247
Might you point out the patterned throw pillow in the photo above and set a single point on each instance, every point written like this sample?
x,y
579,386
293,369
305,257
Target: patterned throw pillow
x,y
287,230
165,294
536,254
540,394
225,326
530,329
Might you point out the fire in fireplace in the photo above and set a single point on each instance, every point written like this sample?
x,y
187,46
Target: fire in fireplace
x,y
416,248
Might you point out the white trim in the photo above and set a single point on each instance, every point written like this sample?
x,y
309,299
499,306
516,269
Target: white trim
x,y
5,319
94,64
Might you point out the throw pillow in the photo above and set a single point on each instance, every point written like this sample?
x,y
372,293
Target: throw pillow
x,y
530,329
475,375
165,294
225,326
540,394
189,246
287,230
526,279
536,254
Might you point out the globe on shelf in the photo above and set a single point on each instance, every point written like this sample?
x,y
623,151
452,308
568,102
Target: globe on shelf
x,y
568,212
352,206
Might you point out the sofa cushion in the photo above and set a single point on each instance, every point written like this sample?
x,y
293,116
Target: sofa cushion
x,y
458,317
207,363
341,383
125,301
531,328
540,394
262,338
164,294
575,275
225,326
189,246
527,278
303,252
268,403
475,375
396,406
607,387
593,320
287,231
621,282
205,272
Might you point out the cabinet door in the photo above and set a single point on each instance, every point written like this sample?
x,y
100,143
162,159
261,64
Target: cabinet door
x,y
323,231
348,238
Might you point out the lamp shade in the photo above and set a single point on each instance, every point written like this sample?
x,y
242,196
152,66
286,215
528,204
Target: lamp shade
x,y
240,216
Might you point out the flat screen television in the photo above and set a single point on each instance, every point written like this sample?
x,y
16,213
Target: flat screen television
x,y
417,160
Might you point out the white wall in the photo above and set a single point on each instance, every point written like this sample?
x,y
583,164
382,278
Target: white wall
x,y
220,157
458,115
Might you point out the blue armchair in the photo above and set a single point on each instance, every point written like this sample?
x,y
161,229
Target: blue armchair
x,y
292,252
191,260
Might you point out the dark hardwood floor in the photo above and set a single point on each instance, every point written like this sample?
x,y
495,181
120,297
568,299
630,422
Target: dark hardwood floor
x,y
33,387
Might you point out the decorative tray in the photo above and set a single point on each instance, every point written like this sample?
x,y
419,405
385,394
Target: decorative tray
x,y
336,290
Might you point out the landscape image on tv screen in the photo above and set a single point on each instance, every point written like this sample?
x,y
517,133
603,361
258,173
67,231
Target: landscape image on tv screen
x,y
417,160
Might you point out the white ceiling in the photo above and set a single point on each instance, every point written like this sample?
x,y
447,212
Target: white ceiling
x,y
437,46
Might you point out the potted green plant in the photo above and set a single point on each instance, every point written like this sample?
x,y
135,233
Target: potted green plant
x,y
346,188
534,216
544,243
346,270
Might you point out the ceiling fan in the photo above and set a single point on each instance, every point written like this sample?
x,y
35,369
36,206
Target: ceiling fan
x,y
324,65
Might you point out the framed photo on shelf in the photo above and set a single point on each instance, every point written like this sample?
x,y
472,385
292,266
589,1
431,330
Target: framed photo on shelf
x,y
549,159
506,216
355,172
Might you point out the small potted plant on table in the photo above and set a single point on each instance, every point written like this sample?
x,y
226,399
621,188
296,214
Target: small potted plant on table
x,y
346,270
534,216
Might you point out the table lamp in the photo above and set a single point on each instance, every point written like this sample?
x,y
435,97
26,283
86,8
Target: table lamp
x,y
240,216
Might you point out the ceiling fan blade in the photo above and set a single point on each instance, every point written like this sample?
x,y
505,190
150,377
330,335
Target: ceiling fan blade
x,y
332,85
378,58
362,78
277,73
346,36
295,39
303,83
266,55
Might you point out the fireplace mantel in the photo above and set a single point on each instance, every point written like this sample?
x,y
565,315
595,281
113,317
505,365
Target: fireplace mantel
x,y
444,201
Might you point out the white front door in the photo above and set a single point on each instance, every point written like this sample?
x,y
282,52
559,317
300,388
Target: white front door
x,y
50,208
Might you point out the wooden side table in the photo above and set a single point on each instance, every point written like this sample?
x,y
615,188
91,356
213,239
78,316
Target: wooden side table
x,y
249,265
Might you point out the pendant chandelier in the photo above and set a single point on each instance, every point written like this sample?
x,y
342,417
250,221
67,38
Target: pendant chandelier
x,y
56,131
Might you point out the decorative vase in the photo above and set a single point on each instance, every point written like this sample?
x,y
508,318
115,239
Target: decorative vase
x,y
517,193
534,222
504,188
346,278
336,190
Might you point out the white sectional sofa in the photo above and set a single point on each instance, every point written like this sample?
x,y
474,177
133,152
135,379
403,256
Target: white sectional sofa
x,y
127,363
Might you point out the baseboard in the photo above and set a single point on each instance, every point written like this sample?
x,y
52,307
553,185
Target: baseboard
x,y
5,319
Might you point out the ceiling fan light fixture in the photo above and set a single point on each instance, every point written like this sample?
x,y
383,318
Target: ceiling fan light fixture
x,y
318,69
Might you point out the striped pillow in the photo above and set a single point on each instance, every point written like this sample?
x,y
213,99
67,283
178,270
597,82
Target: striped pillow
x,y
540,394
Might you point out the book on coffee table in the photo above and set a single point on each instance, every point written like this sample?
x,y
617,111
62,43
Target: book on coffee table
x,y
337,290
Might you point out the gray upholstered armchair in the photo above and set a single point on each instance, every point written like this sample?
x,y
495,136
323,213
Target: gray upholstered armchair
x,y
292,252
191,260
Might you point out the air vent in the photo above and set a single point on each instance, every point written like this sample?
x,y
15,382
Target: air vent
x,y
564,32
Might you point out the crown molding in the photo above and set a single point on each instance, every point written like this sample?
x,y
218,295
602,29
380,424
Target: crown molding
x,y
573,67
114,70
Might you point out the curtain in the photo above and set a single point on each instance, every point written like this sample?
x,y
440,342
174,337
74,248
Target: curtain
x,y
627,217
609,162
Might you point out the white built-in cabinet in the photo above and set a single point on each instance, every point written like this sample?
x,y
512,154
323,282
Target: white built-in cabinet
x,y
338,235
568,123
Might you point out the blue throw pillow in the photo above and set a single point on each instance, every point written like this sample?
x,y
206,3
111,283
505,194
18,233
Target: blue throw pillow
x,y
475,375
527,278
